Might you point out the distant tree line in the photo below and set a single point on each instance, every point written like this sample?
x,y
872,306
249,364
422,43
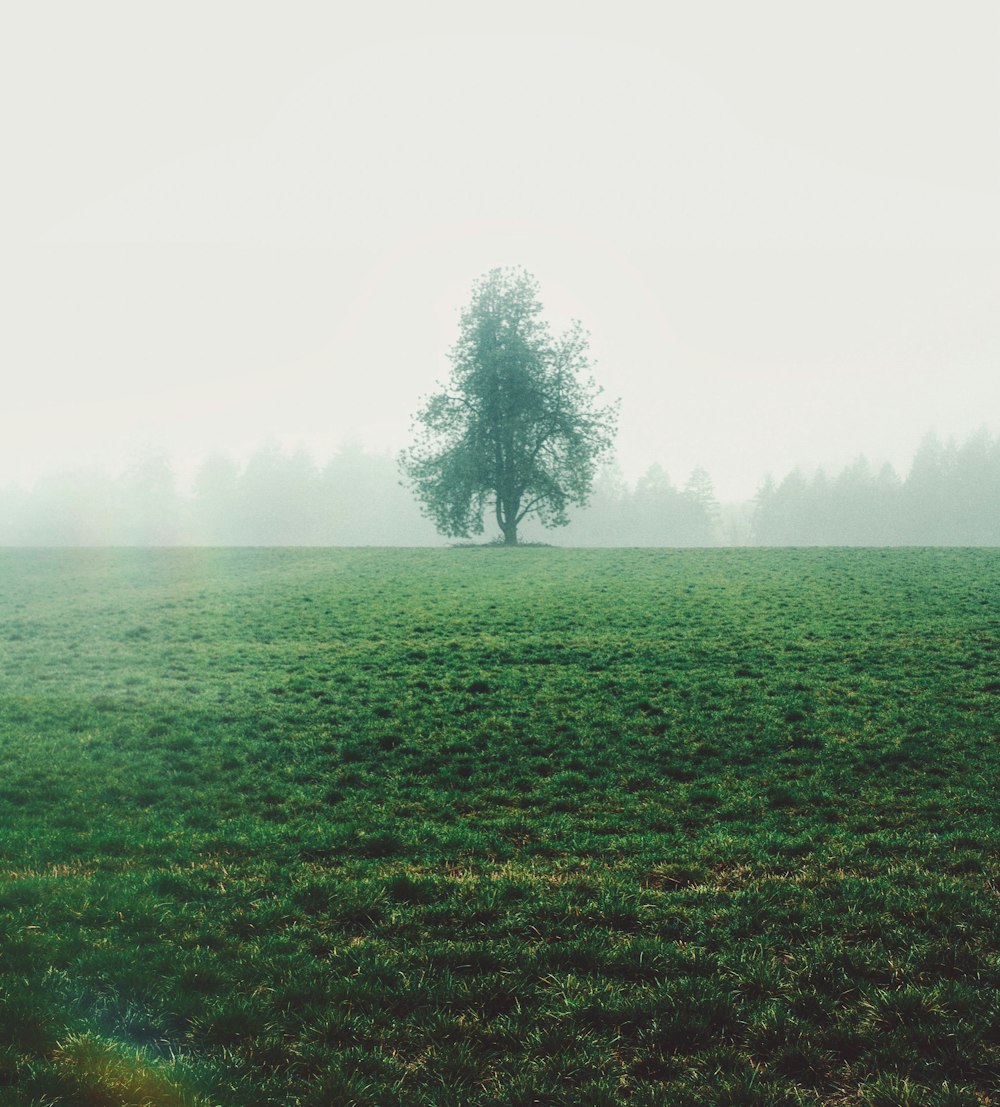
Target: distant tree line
x,y
275,498
652,512
285,498
951,497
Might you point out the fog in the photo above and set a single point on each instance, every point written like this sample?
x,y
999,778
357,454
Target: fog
x,y
948,496
235,228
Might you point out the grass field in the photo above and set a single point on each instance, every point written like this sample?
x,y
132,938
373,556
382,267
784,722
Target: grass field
x,y
490,826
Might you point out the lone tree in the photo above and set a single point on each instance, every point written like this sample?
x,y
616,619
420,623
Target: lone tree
x,y
518,426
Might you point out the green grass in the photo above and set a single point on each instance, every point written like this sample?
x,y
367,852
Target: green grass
x,y
499,827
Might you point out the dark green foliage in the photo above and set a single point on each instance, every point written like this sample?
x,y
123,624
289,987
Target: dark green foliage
x,y
400,827
517,428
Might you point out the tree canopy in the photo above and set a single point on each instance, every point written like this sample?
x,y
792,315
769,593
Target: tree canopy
x,y
519,427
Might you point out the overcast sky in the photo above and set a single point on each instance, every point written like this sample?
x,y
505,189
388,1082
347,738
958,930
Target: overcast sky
x,y
227,224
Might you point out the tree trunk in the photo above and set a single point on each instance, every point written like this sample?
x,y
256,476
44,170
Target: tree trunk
x,y
507,509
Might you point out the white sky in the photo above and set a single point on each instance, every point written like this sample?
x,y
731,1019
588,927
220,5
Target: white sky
x,y
228,223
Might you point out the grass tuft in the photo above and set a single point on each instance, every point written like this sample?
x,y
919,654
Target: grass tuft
x,y
103,1073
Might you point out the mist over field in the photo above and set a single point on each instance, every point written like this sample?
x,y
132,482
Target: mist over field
x,y
948,496
779,226
326,776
